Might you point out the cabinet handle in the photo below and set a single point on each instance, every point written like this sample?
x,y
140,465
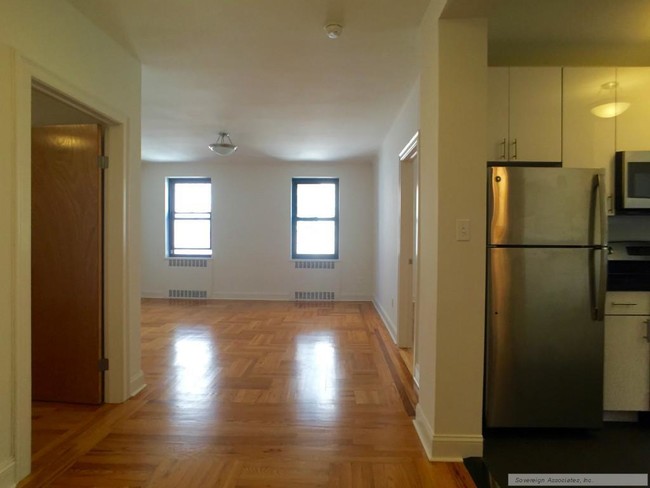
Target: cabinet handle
x,y
647,333
610,207
623,304
514,149
503,149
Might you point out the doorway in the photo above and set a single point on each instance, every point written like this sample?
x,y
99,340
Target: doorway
x,y
408,254
67,230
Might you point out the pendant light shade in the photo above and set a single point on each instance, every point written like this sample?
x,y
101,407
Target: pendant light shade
x,y
609,101
223,146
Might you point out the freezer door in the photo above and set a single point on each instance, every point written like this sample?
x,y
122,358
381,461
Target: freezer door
x,y
546,206
544,354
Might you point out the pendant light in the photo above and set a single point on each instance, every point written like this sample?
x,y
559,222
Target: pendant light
x,y
609,106
223,146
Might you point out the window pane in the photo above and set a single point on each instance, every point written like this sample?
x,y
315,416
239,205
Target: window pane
x,y
191,234
193,252
192,197
315,237
316,200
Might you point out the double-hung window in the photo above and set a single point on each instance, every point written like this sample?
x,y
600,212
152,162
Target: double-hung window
x,y
189,217
315,218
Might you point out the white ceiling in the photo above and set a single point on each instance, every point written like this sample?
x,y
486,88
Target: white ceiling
x,y
265,71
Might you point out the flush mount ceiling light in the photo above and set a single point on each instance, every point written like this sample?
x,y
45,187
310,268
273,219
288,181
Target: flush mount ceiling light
x,y
223,146
333,31
609,106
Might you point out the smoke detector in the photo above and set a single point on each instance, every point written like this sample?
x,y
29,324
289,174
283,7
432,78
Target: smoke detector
x,y
333,31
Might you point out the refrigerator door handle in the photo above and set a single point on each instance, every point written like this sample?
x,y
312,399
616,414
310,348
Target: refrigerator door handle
x,y
599,201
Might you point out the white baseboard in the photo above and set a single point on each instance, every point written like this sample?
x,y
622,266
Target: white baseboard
x,y
416,375
284,297
8,473
136,384
446,447
153,294
390,327
622,416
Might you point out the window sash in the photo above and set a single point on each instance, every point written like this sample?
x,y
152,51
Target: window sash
x,y
295,219
173,216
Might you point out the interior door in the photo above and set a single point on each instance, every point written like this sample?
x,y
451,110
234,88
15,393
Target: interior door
x,y
67,238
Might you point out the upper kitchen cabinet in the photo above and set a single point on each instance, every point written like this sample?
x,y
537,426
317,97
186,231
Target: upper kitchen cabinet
x,y
633,125
525,114
588,128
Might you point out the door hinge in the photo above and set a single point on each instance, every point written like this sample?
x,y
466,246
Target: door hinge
x,y
103,364
102,162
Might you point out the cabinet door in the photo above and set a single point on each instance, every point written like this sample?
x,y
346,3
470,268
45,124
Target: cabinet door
x,y
535,114
497,131
633,125
588,141
627,364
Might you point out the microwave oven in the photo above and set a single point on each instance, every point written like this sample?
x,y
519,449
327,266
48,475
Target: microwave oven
x,y
632,182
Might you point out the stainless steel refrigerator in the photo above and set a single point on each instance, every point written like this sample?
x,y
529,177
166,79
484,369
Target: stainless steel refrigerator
x,y
547,267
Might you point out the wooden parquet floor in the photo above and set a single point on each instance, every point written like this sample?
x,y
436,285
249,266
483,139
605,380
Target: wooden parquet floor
x,y
248,394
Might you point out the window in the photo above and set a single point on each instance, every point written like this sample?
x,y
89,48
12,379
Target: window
x,y
189,217
315,218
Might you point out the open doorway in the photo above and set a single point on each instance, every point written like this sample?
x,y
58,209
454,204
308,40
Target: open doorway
x,y
408,255
67,265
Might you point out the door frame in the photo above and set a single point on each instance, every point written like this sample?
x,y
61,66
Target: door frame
x,y
116,254
407,275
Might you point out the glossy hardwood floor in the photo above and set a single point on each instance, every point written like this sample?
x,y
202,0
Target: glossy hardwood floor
x,y
249,394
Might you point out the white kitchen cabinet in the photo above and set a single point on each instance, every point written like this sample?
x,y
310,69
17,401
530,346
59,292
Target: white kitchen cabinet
x,y
627,364
524,114
627,352
588,141
633,125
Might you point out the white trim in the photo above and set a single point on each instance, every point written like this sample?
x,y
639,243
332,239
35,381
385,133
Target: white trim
x,y
416,375
620,416
445,447
8,473
137,384
390,327
410,148
153,294
424,430
118,322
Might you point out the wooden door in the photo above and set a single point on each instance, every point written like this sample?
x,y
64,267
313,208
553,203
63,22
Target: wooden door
x,y
67,266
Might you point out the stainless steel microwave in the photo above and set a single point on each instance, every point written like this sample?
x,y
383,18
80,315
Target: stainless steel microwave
x,y
632,182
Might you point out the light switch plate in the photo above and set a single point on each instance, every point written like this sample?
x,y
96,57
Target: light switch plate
x,y
462,230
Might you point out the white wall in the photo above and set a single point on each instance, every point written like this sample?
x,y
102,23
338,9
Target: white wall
x,y
50,41
453,117
252,231
387,173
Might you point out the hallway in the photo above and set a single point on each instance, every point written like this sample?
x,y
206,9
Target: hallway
x,y
277,394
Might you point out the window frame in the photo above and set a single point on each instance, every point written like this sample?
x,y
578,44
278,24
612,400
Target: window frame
x,y
295,219
172,181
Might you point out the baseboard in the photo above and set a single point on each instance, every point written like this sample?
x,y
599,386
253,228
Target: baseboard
x,y
620,416
282,297
153,294
136,384
390,327
416,375
424,430
8,473
445,447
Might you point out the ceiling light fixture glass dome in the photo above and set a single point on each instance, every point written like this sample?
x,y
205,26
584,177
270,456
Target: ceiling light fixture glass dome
x,y
223,146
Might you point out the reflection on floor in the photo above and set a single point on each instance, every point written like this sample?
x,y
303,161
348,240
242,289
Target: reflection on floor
x,y
275,394
616,448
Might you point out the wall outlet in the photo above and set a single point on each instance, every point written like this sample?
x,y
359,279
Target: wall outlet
x,y
462,230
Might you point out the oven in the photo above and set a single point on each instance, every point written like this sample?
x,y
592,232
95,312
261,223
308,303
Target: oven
x,y
629,266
